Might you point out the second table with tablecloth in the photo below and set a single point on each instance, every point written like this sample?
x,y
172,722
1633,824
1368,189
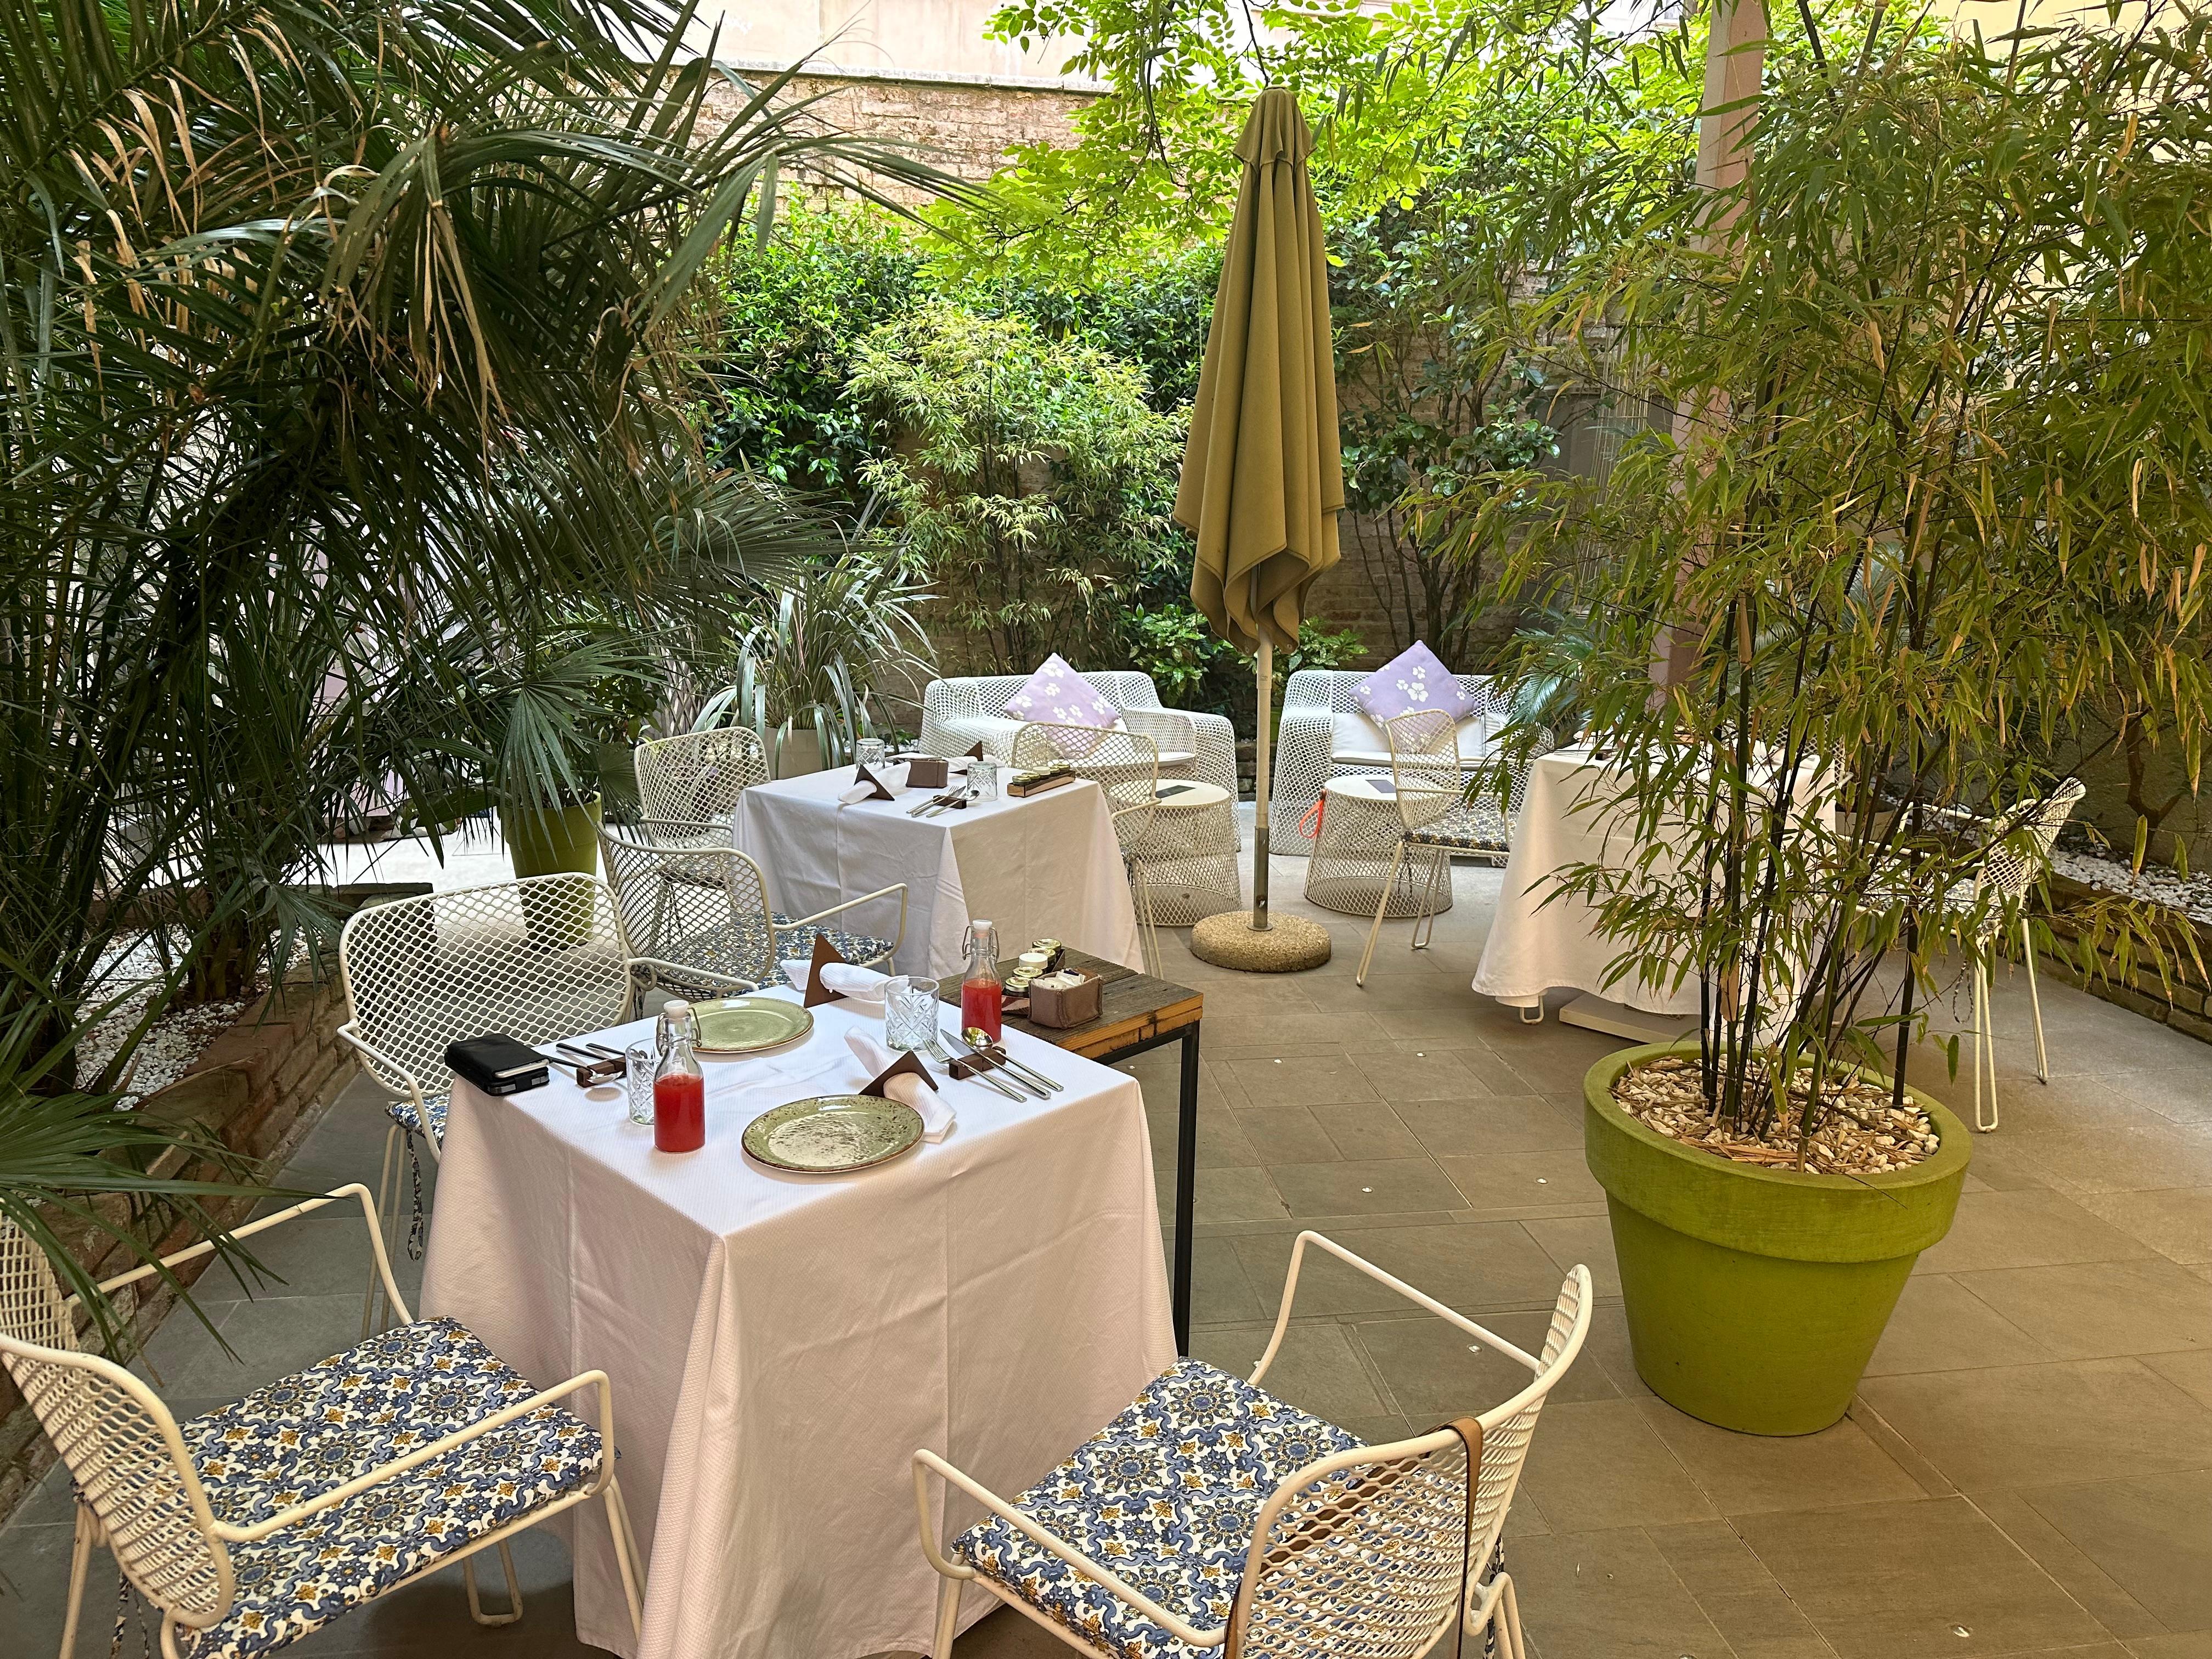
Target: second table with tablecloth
x,y
1048,866
780,1345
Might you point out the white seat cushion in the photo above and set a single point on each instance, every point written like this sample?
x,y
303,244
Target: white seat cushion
x,y
1360,742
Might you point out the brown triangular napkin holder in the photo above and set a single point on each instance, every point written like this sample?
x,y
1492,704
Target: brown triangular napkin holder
x,y
976,753
908,1065
867,775
816,991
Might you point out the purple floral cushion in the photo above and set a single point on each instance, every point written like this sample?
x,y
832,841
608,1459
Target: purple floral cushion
x,y
1411,680
1058,695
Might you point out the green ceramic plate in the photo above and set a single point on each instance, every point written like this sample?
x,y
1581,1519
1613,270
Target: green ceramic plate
x,y
833,1133
745,1026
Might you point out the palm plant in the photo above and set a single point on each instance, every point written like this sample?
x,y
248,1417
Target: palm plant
x,y
339,341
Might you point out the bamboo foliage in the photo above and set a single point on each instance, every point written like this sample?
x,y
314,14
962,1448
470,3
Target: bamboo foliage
x,y
1952,484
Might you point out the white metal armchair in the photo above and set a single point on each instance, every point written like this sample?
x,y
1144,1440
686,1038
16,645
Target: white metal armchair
x,y
536,960
698,775
1324,734
687,896
250,1527
1435,821
1231,1518
957,714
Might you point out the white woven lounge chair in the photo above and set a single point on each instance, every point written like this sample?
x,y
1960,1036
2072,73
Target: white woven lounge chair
x,y
252,1526
1209,1512
1324,734
958,713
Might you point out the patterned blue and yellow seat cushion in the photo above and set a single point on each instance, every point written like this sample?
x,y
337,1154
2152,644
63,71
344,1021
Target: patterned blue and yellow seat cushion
x,y
1165,1496
1469,827
428,1119
321,1427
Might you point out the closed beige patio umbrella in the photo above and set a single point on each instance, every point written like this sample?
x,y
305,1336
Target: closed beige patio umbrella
x,y
1262,479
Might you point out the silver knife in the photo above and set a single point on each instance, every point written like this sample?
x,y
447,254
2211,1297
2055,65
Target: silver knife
x,y
996,1050
977,1074
968,1051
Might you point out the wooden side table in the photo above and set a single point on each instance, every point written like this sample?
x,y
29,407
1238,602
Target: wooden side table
x,y
1136,1012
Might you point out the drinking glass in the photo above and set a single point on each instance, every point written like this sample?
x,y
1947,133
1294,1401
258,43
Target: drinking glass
x,y
869,751
640,1061
910,1013
982,779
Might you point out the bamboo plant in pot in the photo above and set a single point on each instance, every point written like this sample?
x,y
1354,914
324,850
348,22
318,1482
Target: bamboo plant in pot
x,y
1934,485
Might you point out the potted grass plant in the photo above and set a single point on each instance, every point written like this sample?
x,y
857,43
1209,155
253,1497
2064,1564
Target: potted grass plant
x,y
1938,478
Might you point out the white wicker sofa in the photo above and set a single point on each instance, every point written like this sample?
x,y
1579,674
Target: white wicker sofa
x,y
957,714
1324,734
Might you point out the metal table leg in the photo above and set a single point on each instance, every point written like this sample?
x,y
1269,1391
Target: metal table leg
x,y
1185,1187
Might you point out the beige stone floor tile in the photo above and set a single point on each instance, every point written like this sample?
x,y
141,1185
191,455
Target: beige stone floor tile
x,y
1235,1193
1312,1031
1610,1592
1285,1134
1599,1463
2126,1160
2091,1310
2176,1222
1426,1074
2182,1094
1938,1325
1368,1129
1474,1267
1585,1240
1364,1187
1482,1129
1222,1142
1524,1181
2179,1644
2151,1535
1435,1372
2011,1426
1608,1345
2189,1372
2033,1227
1318,1368
1278,1079
1219,1292
2076,1571
1899,1580
1745,1473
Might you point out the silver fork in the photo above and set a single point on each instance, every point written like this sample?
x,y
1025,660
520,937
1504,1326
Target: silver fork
x,y
976,1074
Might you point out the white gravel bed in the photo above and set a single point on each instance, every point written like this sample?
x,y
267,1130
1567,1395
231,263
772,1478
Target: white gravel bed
x,y
2190,894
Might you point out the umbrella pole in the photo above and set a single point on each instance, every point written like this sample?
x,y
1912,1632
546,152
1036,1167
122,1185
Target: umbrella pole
x,y
1262,753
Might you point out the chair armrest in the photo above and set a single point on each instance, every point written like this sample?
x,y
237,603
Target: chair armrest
x,y
654,966
819,916
1169,728
206,1247
399,1466
927,1463
382,1066
1488,1340
996,732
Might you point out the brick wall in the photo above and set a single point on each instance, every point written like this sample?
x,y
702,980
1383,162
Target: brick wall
x,y
2186,1006
259,1087
960,126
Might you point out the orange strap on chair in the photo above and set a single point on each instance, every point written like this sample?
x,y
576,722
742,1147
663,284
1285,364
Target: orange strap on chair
x,y
1309,826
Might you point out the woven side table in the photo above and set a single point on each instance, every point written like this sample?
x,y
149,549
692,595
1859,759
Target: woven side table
x,y
1358,843
1190,853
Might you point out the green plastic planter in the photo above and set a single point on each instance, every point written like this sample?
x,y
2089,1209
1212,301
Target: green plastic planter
x,y
1755,1297
547,839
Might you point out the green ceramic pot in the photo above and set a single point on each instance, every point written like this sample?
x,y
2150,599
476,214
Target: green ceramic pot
x,y
547,840
1755,1297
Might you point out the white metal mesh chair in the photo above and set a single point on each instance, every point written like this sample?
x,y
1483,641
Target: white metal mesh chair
x,y
958,713
1997,894
1209,1512
249,1527
536,960
1435,821
1324,734
698,775
1126,767
688,897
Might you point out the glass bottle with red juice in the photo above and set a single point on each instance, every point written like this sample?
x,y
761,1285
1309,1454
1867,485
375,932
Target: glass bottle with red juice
x,y
679,1087
982,995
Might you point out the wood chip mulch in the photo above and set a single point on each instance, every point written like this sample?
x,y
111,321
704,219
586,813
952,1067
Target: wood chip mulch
x,y
1865,1137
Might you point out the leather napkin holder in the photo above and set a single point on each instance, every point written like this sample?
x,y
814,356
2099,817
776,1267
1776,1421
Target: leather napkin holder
x,y
816,991
926,771
867,775
907,1065
976,753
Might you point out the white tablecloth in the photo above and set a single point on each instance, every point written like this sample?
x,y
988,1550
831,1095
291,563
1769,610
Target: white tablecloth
x,y
1046,866
1534,944
780,1345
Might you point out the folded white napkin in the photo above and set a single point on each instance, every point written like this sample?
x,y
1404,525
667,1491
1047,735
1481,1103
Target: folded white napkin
x,y
853,794
859,984
936,1116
